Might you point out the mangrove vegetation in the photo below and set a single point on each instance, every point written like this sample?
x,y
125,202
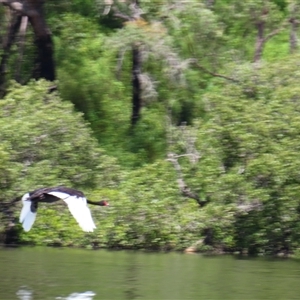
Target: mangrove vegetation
x,y
185,115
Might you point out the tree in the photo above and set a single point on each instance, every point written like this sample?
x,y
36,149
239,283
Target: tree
x,y
252,22
42,148
33,10
293,8
145,39
249,158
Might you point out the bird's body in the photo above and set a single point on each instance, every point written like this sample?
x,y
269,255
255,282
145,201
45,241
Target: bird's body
x,y
76,201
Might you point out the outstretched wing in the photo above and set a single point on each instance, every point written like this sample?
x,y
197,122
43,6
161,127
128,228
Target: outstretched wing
x,y
78,208
28,214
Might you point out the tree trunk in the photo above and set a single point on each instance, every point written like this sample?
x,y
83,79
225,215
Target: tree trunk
x,y
293,35
261,37
136,61
7,43
210,3
260,41
21,47
136,85
44,66
44,63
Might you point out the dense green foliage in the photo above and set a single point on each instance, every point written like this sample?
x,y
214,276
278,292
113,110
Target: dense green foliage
x,y
225,127
40,134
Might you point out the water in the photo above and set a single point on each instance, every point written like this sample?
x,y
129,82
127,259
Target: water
x,y
53,273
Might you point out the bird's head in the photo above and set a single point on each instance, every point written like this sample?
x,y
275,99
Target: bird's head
x,y
103,203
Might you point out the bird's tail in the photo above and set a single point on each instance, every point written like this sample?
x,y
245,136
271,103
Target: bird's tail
x,y
27,217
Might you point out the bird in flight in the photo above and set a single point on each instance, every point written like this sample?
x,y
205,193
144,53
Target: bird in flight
x,y
76,201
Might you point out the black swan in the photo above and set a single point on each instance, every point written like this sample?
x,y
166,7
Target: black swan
x,y
76,201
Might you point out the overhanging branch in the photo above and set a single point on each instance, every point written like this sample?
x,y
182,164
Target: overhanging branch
x,y
119,14
196,63
184,189
14,5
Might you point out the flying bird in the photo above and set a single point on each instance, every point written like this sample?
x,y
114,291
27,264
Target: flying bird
x,y
76,201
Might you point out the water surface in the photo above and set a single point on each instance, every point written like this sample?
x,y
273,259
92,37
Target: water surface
x,y
54,273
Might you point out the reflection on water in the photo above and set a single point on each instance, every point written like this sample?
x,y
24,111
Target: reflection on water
x,y
79,296
131,290
25,294
69,274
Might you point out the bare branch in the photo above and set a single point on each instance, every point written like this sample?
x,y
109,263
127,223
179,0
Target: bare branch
x,y
184,189
134,7
136,11
247,207
271,34
7,43
120,62
23,27
108,4
120,15
15,5
293,34
196,63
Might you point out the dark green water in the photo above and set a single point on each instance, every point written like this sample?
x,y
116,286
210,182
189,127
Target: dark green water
x,y
47,273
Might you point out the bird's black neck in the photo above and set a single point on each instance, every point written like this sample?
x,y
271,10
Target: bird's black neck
x,y
92,202
99,203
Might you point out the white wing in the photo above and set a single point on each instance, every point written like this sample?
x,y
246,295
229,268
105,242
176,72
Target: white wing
x,y
27,217
79,209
